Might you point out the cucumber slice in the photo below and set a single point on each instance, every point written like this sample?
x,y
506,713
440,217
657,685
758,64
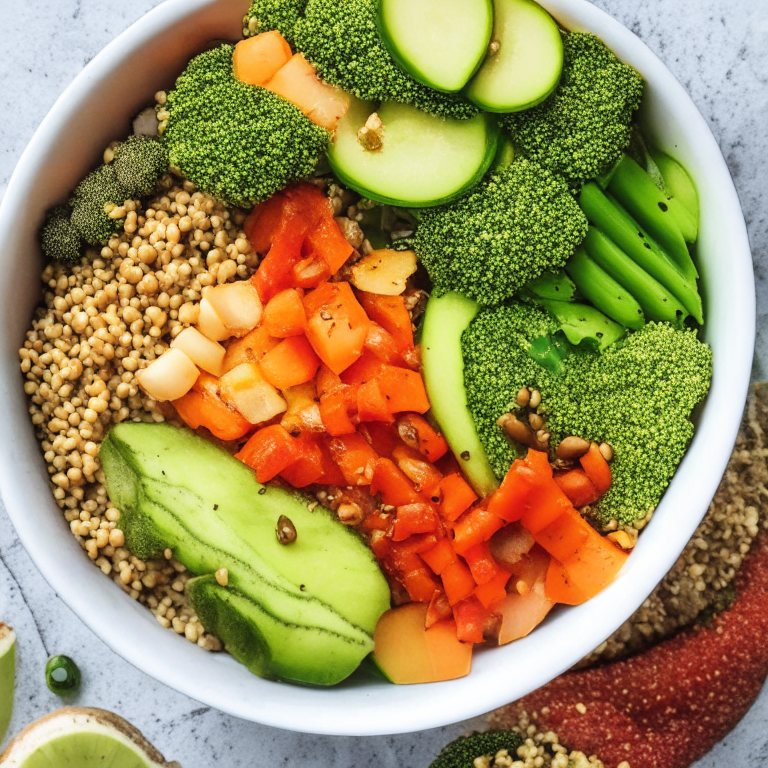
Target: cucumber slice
x,y
526,66
440,43
445,320
424,160
678,182
505,153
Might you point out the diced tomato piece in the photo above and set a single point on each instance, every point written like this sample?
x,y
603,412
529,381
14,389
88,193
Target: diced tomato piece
x,y
390,313
493,591
416,432
354,457
275,273
308,466
440,556
404,390
331,473
414,518
439,609
457,582
284,315
371,405
458,496
597,469
470,618
290,363
394,487
481,564
476,526
269,451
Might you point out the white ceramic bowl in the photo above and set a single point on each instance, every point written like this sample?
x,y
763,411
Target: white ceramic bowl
x,y
94,110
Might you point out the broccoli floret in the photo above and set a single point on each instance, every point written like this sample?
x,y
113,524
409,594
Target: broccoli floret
x,y
341,39
91,201
237,142
139,162
581,130
266,15
519,222
463,752
58,237
637,396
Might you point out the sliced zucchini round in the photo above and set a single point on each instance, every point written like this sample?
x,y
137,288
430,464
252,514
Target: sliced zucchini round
x,y
524,60
420,160
440,43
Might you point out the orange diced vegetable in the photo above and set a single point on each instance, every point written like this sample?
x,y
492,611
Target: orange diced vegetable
x,y
403,389
458,496
414,518
308,466
416,432
538,461
439,609
559,587
376,521
365,368
298,82
382,344
250,349
521,614
474,528
331,473
481,564
327,381
595,565
440,556
257,59
391,314
336,325
394,487
290,363
382,437
510,501
597,469
284,315
577,487
565,536
264,222
310,272
546,503
424,476
371,405
493,591
269,451
416,578
353,456
457,582
470,616
303,414
327,243
335,407
202,407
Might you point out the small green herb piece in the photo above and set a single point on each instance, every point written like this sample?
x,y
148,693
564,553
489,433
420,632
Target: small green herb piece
x,y
62,675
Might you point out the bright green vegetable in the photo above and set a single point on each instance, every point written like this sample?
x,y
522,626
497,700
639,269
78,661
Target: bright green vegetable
x,y
7,675
139,162
341,38
603,291
581,129
93,198
584,325
463,752
62,675
58,237
677,182
637,396
516,224
552,285
238,142
266,15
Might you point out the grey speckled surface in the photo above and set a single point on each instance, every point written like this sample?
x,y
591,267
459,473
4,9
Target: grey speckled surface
x,y
719,51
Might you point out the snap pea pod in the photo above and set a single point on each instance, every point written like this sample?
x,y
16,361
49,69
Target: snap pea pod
x,y
603,291
552,285
656,301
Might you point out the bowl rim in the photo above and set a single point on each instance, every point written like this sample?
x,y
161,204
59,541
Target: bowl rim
x,y
357,710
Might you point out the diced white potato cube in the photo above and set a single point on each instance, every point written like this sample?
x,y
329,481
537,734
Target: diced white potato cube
x,y
210,324
201,350
169,377
237,305
303,412
246,390
385,272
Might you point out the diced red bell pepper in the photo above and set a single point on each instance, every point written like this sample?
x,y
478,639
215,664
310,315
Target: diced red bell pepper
x,y
440,556
457,582
493,591
269,451
475,527
354,457
371,405
390,313
414,518
470,618
404,390
308,466
439,609
394,487
382,437
416,432
481,564
331,473
376,521
416,578
597,469
458,496
546,503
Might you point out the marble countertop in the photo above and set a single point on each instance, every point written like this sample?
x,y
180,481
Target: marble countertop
x,y
716,48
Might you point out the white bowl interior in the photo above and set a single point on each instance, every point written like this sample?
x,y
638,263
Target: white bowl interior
x,y
95,110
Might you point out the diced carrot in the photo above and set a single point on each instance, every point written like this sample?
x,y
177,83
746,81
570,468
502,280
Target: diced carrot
x,y
382,344
458,496
269,451
331,473
538,461
257,59
371,405
413,518
365,368
595,565
597,469
414,545
493,591
475,527
439,609
440,556
308,466
577,487
481,564
546,503
565,536
336,325
335,409
326,242
457,582
376,521
419,583
470,618
284,315
264,222
202,409
298,82
510,501
394,487
290,363
382,437
327,381
353,456
250,349
559,587
391,314
403,389
424,475
416,432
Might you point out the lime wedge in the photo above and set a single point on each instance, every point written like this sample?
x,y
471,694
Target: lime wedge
x,y
82,738
7,675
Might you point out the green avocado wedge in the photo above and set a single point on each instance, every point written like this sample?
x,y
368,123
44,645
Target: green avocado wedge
x,y
440,43
423,161
445,320
524,60
178,491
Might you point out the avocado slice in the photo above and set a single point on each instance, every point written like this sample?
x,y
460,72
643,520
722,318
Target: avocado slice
x,y
176,490
445,320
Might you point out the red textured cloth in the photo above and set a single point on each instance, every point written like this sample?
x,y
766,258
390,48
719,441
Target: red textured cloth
x,y
667,707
